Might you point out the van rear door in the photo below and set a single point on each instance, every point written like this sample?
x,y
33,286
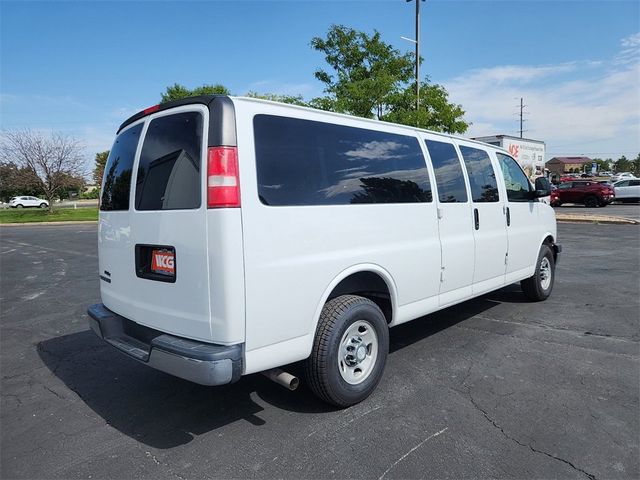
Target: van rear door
x,y
153,223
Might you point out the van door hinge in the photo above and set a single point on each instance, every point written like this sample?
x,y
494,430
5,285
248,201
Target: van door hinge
x,y
442,275
506,258
439,213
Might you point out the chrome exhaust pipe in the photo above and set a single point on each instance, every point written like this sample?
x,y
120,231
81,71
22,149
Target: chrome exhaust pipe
x,y
282,378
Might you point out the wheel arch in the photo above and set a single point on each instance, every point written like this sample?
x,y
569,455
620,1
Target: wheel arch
x,y
549,239
368,280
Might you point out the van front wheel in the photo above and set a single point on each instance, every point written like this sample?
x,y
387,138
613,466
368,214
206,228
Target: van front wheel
x,y
349,351
538,287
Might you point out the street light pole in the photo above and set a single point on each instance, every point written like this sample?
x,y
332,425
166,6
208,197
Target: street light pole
x,y
417,52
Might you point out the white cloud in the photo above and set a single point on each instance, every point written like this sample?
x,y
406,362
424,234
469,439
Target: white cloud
x,y
578,107
630,49
376,150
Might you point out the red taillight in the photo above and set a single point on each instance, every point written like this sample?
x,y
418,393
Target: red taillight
x,y
152,109
223,182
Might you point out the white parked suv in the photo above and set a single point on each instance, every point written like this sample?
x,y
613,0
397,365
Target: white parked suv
x,y
622,176
627,190
25,201
238,235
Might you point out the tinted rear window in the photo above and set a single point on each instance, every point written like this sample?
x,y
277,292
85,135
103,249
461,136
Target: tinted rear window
x,y
482,177
169,167
303,162
448,172
116,183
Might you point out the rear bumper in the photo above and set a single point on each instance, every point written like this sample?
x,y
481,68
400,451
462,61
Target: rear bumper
x,y
199,362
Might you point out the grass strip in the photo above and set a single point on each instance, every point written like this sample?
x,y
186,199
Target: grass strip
x,y
36,215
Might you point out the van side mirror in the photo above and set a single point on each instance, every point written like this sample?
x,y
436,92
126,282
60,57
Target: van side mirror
x,y
543,188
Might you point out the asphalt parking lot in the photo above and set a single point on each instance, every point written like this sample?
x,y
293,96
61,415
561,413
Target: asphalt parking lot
x,y
496,387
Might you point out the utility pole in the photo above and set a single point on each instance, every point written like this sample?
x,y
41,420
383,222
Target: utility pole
x,y
417,41
521,116
522,113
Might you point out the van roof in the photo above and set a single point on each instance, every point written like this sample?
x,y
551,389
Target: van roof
x,y
209,99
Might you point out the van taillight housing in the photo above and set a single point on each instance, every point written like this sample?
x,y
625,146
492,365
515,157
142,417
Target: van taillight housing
x,y
223,182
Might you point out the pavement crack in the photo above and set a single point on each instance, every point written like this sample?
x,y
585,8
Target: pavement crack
x,y
433,435
62,397
526,445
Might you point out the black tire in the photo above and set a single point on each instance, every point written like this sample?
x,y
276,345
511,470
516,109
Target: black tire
x,y
43,205
322,368
591,202
535,287
19,206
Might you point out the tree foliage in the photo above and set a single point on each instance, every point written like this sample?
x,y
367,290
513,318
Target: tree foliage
x,y
365,77
177,91
435,112
623,164
274,97
16,181
98,171
372,79
52,163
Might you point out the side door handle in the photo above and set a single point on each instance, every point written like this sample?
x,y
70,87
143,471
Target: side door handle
x,y
476,218
508,217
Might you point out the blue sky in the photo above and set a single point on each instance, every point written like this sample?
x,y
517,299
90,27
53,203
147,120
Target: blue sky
x,y
83,67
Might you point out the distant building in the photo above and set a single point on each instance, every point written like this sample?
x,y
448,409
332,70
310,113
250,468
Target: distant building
x,y
561,165
527,152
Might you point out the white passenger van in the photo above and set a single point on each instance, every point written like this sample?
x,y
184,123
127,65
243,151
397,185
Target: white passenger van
x,y
238,235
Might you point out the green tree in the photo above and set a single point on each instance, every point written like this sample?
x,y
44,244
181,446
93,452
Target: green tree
x,y
623,164
371,79
98,171
291,99
52,162
636,166
435,111
368,74
16,181
177,91
603,165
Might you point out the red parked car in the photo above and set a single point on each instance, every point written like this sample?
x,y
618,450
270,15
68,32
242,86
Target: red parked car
x,y
589,193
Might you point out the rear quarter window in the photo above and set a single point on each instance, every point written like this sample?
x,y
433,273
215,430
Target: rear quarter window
x,y
116,183
304,162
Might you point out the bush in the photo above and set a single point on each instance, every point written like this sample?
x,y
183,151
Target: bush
x,y
91,195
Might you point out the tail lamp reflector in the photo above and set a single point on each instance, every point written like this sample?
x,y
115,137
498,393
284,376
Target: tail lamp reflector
x,y
223,183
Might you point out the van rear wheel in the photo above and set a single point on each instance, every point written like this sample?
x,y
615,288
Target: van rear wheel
x,y
349,351
538,287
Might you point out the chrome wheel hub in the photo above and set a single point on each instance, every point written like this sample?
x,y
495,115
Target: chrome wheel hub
x,y
545,273
358,352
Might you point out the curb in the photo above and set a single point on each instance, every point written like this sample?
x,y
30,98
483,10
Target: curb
x,y
35,224
577,218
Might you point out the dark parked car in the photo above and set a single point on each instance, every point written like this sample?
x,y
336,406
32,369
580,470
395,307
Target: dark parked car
x,y
591,194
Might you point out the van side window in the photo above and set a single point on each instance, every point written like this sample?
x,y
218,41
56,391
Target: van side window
x,y
482,177
169,167
517,183
116,182
304,162
448,172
